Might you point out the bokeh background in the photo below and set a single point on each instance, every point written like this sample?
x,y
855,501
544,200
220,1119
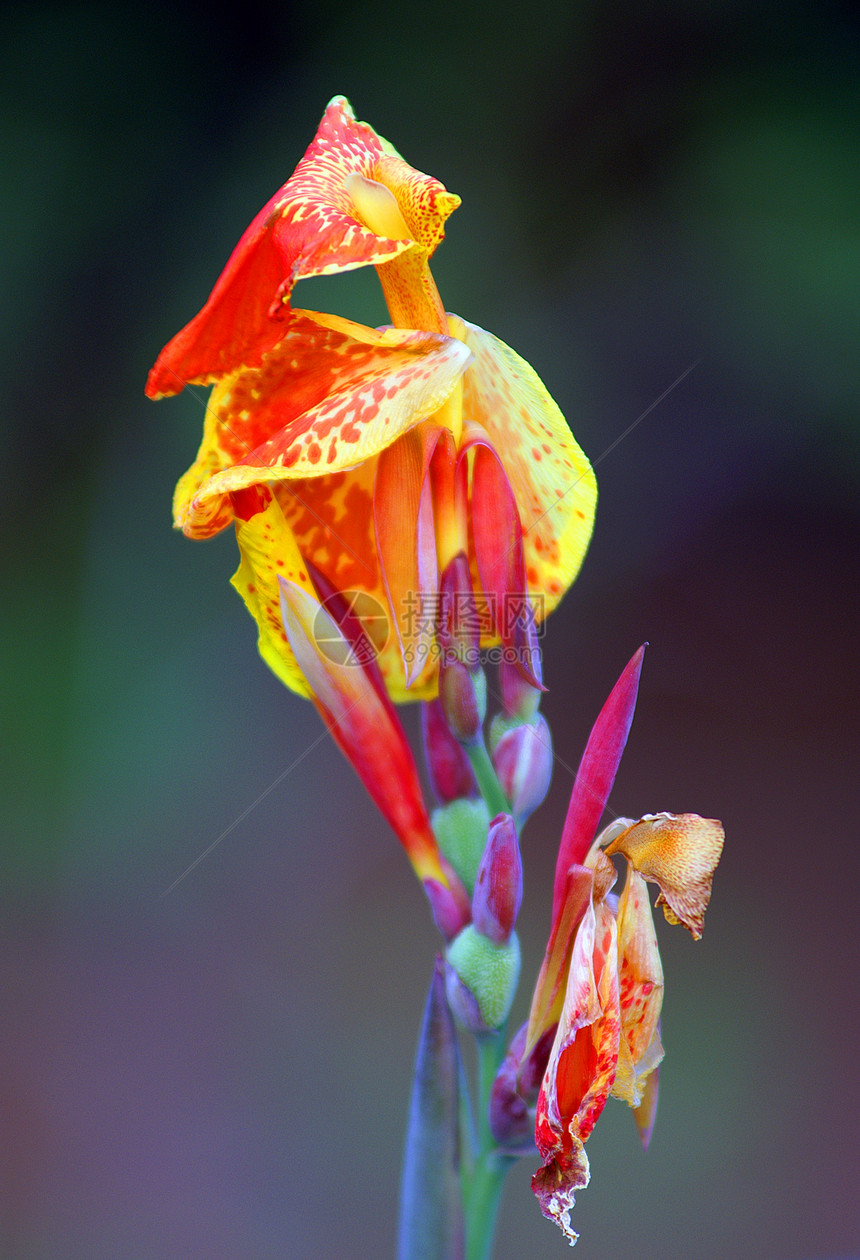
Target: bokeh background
x,y
221,1069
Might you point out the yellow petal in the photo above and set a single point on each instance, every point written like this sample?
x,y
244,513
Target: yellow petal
x,y
269,551
329,396
553,482
678,852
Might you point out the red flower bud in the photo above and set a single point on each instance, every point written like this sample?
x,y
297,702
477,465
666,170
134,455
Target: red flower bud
x,y
499,883
523,762
458,627
448,766
463,697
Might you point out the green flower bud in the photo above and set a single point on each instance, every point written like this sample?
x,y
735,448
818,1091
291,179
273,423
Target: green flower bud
x,y
489,972
461,829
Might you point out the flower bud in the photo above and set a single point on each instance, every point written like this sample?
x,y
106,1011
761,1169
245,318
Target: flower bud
x,y
523,761
458,627
448,767
450,907
500,724
521,683
498,890
463,697
461,829
515,1091
481,979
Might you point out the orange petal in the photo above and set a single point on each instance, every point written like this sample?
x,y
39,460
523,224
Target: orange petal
x,y
332,519
553,482
406,542
324,399
310,227
679,853
548,993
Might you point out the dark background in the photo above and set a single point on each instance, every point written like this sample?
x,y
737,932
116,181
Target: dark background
x,y
222,1069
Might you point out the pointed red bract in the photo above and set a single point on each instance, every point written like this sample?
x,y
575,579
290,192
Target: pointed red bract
x,y
363,725
596,774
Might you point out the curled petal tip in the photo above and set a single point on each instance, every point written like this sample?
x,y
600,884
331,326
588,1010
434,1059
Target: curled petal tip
x,y
679,853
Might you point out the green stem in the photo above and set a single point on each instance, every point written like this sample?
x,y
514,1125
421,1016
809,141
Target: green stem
x,y
488,783
482,1192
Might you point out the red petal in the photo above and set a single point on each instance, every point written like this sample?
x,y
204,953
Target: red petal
x,y
309,227
363,725
498,539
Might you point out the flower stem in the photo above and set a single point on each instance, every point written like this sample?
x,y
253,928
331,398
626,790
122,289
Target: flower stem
x,y
487,780
482,1192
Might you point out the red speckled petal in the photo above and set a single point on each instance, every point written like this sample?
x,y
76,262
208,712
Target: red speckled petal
x,y
269,551
581,1067
329,396
548,994
640,981
553,482
310,227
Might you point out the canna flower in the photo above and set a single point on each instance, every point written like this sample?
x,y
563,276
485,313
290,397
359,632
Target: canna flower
x,y
599,992
373,455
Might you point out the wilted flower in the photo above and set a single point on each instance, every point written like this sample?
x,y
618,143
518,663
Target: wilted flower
x,y
600,988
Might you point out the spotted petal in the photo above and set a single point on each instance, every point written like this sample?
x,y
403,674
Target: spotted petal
x,y
640,979
553,482
581,1067
310,227
268,549
331,395
679,853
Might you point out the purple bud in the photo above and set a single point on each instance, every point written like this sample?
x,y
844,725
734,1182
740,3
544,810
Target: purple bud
x,y
463,697
447,764
499,883
510,1122
515,1091
450,907
523,761
521,678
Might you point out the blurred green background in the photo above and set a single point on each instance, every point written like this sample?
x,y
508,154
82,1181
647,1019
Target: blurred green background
x,y
222,1070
